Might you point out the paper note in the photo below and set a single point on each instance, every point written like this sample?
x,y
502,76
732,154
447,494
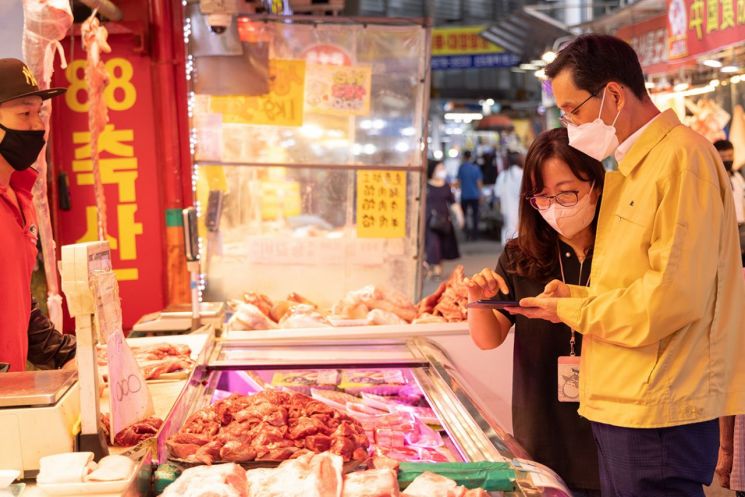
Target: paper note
x,y
338,90
381,204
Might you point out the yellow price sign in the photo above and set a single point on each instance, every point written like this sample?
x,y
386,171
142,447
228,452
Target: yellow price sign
x,y
282,106
381,204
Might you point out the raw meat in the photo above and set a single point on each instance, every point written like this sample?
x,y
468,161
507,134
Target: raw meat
x,y
267,426
430,485
428,319
357,304
112,468
303,316
371,483
310,475
454,299
280,310
45,23
381,317
261,301
154,360
250,317
94,42
224,480
134,434
428,304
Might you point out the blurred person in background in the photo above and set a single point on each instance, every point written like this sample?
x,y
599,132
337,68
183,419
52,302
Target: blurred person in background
x,y
440,240
727,153
470,181
507,189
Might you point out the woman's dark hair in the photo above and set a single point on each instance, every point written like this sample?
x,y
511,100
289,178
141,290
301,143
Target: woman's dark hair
x,y
533,253
431,166
595,60
722,145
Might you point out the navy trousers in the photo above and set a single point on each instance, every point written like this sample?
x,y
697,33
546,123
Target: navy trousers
x,y
659,462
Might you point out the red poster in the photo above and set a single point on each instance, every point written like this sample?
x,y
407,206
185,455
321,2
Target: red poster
x,y
695,27
649,39
128,164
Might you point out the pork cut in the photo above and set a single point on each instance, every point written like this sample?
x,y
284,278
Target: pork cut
x,y
371,483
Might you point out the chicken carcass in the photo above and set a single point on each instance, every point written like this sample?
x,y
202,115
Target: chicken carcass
x,y
371,483
310,475
357,304
250,317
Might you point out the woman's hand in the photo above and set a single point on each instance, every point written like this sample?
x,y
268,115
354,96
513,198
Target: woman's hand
x,y
485,285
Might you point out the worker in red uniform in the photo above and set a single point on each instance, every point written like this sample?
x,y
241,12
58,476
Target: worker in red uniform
x,y
25,333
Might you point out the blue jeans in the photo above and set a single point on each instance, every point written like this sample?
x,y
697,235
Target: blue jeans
x,y
473,206
657,462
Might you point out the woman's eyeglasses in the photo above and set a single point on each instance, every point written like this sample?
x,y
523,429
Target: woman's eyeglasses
x,y
565,199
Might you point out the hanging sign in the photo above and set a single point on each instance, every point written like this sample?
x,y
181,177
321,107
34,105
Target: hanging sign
x,y
338,90
381,204
282,106
649,40
695,27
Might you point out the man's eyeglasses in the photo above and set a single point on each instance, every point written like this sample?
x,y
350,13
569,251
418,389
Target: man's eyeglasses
x,y
564,118
566,199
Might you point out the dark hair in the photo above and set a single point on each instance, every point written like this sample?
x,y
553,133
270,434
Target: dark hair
x,y
533,253
722,145
467,154
515,158
595,60
431,166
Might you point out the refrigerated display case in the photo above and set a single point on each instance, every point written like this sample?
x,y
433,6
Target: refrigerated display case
x,y
413,377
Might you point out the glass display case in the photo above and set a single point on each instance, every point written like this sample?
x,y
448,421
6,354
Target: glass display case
x,y
308,141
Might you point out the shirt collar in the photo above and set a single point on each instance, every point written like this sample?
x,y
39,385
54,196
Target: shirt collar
x,y
23,181
659,127
629,142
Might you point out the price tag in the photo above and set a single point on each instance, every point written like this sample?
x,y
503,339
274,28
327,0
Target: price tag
x,y
129,397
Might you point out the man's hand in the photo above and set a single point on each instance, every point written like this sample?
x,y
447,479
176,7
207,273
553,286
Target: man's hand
x,y
537,308
545,305
724,466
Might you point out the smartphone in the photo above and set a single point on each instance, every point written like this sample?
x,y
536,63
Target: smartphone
x,y
493,304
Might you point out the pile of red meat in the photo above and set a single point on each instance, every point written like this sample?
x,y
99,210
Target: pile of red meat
x,y
449,300
267,426
133,434
310,475
154,360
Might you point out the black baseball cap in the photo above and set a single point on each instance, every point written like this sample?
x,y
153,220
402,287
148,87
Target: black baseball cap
x,y
17,80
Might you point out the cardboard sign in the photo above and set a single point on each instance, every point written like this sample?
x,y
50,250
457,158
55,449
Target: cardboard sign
x,y
381,204
129,397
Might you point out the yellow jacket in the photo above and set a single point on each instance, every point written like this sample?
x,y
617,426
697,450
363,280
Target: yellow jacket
x,y
663,320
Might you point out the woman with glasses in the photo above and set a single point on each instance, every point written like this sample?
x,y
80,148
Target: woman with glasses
x,y
560,194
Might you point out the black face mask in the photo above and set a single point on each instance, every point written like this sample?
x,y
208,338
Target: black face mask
x,y
728,165
21,148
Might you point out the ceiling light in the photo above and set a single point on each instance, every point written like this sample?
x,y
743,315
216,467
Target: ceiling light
x,y
730,69
681,87
458,116
528,67
538,62
649,85
735,79
549,57
712,63
540,74
714,83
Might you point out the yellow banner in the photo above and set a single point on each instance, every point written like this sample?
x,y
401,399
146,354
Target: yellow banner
x,y
462,40
282,106
381,204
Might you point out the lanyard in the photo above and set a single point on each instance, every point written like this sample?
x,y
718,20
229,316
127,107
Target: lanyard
x,y
572,340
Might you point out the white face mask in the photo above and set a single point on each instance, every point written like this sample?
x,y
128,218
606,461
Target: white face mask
x,y
596,139
443,175
569,221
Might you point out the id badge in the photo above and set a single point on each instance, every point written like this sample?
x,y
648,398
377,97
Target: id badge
x,y
568,378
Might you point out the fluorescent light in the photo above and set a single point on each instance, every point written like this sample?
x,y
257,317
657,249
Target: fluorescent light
x,y
538,62
540,74
518,70
714,83
712,63
649,85
736,79
402,147
408,131
701,90
437,154
452,153
489,102
455,116
549,57
729,69
681,87
528,67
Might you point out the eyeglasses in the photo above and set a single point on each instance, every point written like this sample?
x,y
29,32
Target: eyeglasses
x,y
564,118
566,199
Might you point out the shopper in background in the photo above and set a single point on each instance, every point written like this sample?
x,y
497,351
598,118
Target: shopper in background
x,y
662,320
25,332
727,153
440,241
470,181
507,189
557,229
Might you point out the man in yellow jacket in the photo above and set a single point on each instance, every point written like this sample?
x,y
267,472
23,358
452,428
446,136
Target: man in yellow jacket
x,y
663,318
